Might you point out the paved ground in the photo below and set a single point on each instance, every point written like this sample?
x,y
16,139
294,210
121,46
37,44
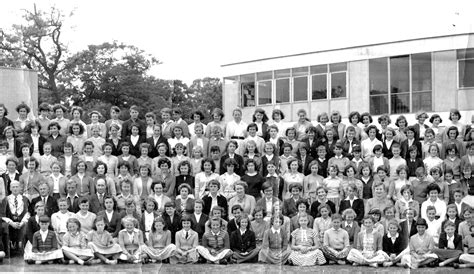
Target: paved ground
x,y
18,265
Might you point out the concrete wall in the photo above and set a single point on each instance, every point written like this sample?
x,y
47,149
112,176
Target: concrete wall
x,y
16,86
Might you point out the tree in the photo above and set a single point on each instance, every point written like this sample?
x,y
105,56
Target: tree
x,y
113,74
206,94
37,45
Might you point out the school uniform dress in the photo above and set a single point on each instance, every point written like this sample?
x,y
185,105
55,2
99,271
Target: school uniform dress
x,y
423,246
76,243
259,229
274,247
368,249
395,245
219,242
337,240
449,247
43,248
186,241
244,242
306,238
102,243
131,243
159,246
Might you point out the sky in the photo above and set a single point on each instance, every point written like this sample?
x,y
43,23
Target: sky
x,y
193,39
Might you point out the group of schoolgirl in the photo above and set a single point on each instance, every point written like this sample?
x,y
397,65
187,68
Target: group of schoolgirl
x,y
357,169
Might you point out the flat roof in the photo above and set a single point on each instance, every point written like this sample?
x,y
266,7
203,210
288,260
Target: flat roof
x,y
345,48
12,68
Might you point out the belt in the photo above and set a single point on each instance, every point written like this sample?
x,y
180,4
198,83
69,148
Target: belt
x,y
237,137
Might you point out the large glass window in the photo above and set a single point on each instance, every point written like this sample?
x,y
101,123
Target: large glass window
x,y
378,85
421,81
338,85
300,89
400,84
465,68
282,90
264,92
247,89
319,85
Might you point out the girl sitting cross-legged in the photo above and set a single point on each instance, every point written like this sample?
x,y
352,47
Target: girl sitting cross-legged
x,y
243,242
215,246
75,244
102,244
159,246
131,241
275,243
45,244
305,244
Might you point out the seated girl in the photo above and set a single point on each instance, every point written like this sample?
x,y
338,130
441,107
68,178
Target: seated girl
x,y
243,243
434,225
45,245
159,246
450,245
421,247
75,243
375,214
350,225
394,244
275,243
102,244
259,225
131,241
323,223
215,246
368,247
305,244
336,244
186,242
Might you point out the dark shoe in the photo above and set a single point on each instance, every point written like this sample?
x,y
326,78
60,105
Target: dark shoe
x,y
223,261
456,265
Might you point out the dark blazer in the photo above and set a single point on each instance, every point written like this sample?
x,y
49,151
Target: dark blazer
x,y
357,206
115,148
141,223
404,147
57,145
387,151
174,226
7,181
29,140
394,248
200,226
417,130
289,207
240,161
323,167
313,148
182,179
221,201
404,232
50,208
113,226
95,204
275,160
412,166
188,209
314,208
346,145
21,165
5,208
263,204
135,149
126,131
193,143
74,206
32,226
265,132
353,231
154,147
74,161
443,241
243,243
304,168
232,226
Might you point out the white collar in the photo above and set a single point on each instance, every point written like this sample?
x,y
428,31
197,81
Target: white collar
x,y
275,231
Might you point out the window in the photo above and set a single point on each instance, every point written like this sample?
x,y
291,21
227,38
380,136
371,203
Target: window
x,y
378,85
338,80
466,68
319,82
264,86
421,81
282,92
300,89
247,89
400,84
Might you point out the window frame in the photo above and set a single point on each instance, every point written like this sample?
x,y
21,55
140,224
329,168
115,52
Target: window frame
x,y
458,71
